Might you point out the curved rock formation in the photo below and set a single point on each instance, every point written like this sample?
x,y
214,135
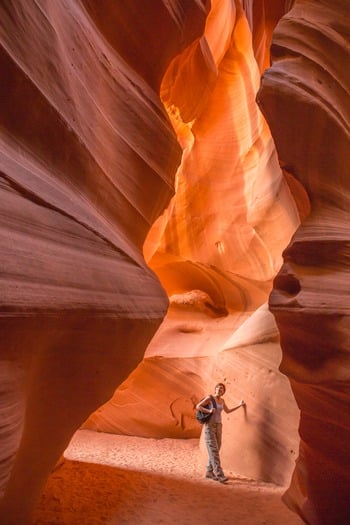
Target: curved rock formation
x,y
216,250
305,98
132,134
83,137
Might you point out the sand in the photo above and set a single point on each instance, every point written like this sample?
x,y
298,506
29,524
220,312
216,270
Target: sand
x,y
125,480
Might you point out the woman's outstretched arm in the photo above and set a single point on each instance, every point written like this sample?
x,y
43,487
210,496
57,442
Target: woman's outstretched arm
x,y
229,410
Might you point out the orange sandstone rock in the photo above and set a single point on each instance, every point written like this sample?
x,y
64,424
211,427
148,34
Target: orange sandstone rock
x,y
305,98
88,158
216,250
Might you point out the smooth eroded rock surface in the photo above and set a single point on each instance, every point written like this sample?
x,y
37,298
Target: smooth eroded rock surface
x,y
145,203
305,97
88,158
216,250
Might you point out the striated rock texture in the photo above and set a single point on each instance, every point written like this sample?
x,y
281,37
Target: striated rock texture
x,y
305,97
88,158
216,250
140,182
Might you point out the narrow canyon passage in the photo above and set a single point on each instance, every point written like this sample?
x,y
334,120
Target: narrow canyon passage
x,y
174,213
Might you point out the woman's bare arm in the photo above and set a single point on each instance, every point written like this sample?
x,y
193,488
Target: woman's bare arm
x,y
229,410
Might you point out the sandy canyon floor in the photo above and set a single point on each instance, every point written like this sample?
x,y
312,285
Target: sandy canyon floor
x,y
121,480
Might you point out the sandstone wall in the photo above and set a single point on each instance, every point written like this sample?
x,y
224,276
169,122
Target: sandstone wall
x,y
144,212
305,97
216,250
88,158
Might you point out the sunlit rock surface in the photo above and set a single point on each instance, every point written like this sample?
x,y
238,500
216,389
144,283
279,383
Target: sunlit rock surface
x,y
216,250
131,133
305,97
88,158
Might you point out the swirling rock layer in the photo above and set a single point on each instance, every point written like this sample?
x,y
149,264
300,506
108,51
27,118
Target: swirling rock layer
x,y
132,133
305,97
83,135
216,250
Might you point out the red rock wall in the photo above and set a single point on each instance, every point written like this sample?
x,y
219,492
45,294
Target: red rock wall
x,y
132,134
305,98
216,250
88,159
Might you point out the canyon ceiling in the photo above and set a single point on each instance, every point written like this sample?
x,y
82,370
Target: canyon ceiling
x,y
174,211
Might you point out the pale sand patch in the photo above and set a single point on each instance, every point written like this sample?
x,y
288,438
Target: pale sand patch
x,y
123,480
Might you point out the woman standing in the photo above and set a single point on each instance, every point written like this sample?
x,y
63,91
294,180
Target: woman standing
x,y
213,430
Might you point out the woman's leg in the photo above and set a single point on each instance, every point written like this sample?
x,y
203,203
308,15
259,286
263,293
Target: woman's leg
x,y
219,434
211,442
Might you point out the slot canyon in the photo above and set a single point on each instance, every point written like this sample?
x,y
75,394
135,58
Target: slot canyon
x,y
174,212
